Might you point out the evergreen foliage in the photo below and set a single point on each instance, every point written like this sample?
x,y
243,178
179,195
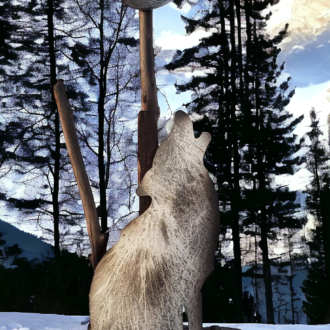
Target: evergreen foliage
x,y
316,287
12,131
55,286
47,37
29,101
218,296
243,107
8,251
8,14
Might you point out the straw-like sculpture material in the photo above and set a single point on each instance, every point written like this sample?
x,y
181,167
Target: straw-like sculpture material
x,y
162,257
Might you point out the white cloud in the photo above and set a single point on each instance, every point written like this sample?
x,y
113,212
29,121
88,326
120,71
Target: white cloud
x,y
170,40
185,8
327,94
297,47
317,96
306,18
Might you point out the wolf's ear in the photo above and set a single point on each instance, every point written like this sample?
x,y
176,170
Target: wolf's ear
x,y
203,141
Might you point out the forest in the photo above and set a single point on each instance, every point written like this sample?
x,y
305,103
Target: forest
x,y
240,99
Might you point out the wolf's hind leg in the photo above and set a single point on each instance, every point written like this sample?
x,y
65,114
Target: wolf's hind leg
x,y
171,319
194,311
177,322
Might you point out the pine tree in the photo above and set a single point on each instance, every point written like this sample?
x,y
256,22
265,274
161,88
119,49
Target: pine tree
x,y
10,131
30,101
214,97
270,145
243,109
293,293
8,14
48,47
316,287
8,252
14,148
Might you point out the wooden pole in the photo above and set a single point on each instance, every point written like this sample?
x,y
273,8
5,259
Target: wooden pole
x,y
149,114
98,239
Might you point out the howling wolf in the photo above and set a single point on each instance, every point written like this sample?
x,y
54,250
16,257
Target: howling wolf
x,y
162,257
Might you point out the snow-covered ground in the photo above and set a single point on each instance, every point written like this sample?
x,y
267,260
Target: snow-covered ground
x,y
31,321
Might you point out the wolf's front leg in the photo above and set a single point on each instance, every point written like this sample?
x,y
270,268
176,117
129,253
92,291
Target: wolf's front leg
x,y
194,311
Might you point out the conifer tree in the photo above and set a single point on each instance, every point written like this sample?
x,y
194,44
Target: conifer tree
x,y
293,293
215,98
316,287
15,133
8,14
8,252
9,131
29,99
48,46
243,109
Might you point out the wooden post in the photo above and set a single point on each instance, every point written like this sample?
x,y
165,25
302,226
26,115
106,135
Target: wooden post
x,y
97,239
149,114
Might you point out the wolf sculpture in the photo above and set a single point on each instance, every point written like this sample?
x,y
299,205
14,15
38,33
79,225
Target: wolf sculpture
x,y
162,257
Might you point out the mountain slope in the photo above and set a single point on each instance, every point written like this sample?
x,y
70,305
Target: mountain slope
x,y
32,246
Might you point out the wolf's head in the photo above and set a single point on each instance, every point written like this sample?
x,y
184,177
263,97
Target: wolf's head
x,y
178,160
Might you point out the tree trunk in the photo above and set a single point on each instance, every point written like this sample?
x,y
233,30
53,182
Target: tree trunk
x,y
248,32
325,212
291,281
266,270
264,232
263,225
240,55
292,297
57,153
256,263
236,194
261,192
101,117
98,240
149,114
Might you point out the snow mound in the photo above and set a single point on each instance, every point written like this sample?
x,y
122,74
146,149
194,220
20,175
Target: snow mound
x,y
33,321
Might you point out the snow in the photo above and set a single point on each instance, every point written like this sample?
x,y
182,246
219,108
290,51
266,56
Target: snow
x,y
33,321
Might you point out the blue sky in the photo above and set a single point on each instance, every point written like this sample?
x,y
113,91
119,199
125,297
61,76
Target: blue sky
x,y
306,51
